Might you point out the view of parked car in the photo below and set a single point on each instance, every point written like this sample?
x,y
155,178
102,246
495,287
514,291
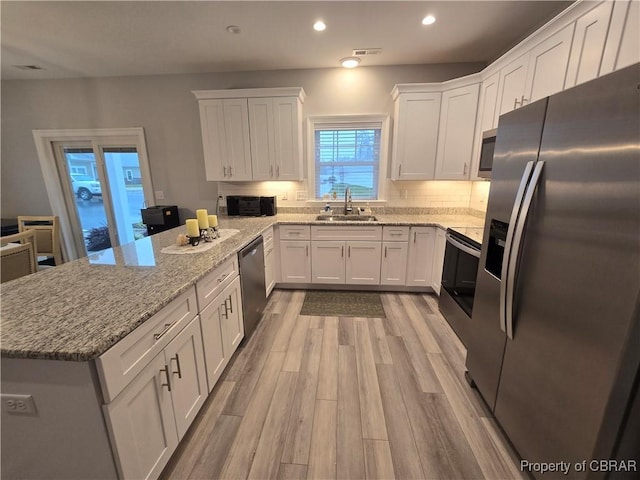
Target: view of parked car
x,y
85,187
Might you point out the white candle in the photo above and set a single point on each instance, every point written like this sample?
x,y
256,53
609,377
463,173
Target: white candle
x,y
192,228
213,220
203,221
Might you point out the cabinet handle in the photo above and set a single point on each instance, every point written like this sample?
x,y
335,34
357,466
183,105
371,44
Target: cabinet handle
x,y
179,372
414,236
523,100
400,170
342,250
230,171
349,251
278,171
515,103
224,170
271,170
226,311
230,304
167,327
464,172
385,252
221,279
166,374
306,249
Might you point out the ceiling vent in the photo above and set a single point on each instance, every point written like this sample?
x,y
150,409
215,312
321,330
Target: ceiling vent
x,y
361,52
28,67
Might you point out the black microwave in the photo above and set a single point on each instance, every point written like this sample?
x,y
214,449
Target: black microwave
x,y
486,153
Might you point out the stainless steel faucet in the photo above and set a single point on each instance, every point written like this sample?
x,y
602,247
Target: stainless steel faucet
x,y
347,201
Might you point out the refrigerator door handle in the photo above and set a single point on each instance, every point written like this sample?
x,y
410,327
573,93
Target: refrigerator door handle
x,y
517,207
517,243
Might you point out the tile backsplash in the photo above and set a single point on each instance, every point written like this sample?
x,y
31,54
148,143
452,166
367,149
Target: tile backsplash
x,y
414,194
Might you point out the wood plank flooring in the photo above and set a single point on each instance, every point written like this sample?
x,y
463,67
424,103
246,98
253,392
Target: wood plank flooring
x,y
346,398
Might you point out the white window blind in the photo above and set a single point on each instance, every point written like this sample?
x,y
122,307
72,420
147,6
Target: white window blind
x,y
347,154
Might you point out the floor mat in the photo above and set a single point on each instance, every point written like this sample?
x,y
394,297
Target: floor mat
x,y
342,304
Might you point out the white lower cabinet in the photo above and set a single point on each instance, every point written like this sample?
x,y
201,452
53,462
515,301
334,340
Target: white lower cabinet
x,y
393,270
149,417
438,259
420,263
327,262
295,261
222,330
363,263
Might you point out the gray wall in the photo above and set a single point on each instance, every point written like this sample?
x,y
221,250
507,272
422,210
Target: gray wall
x,y
167,110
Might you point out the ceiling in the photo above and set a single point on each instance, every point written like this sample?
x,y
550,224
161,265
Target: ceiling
x,y
97,39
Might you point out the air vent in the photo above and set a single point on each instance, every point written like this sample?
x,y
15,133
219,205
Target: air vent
x,y
361,52
28,67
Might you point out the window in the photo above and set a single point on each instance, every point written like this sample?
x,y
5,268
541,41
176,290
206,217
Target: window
x,y
348,151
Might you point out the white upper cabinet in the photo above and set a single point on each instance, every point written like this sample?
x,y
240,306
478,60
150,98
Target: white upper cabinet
x,y
621,49
276,138
588,45
513,79
252,134
415,134
456,132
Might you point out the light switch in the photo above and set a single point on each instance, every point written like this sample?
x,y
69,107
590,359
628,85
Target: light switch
x,y
159,195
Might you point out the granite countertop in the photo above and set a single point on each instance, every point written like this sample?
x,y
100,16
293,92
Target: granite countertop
x,y
78,310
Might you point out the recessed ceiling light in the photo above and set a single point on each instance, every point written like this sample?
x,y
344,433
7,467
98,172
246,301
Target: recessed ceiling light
x,y
350,62
319,26
428,20
233,29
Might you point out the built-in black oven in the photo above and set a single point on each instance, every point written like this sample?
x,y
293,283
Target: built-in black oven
x,y
461,258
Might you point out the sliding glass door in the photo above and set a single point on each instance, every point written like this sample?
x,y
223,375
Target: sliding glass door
x,y
104,188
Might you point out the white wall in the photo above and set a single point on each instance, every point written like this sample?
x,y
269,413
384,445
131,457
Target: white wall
x,y
167,110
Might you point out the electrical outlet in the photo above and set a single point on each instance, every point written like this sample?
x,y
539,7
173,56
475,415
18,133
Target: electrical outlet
x,y
18,404
159,195
301,195
284,196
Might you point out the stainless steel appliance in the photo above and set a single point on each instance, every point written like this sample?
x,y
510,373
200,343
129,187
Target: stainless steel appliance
x,y
251,206
459,281
254,299
555,344
486,153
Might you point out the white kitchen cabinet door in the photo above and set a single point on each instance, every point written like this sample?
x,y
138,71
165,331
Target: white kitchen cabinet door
x,y
141,422
456,132
513,78
420,263
486,118
214,141
415,136
269,268
232,320
588,45
328,262
363,263
261,131
295,261
393,270
548,62
185,359
438,259
287,134
236,117
621,49
213,343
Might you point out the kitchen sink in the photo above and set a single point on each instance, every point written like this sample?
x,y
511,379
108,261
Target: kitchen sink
x,y
347,218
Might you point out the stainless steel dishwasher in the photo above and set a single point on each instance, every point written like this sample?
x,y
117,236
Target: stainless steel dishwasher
x,y
254,298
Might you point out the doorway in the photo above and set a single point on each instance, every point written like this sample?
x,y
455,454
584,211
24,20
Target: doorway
x,y
101,182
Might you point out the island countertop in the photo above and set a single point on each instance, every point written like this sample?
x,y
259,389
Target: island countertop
x,y
78,310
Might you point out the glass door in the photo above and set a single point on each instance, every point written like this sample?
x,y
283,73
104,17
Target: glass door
x,y
104,191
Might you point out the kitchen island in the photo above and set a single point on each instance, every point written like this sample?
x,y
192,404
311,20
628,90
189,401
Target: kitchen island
x,y
57,323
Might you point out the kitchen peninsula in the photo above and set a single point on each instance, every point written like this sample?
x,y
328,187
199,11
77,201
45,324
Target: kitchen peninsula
x,y
58,323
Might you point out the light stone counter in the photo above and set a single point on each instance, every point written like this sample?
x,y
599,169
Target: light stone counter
x,y
78,310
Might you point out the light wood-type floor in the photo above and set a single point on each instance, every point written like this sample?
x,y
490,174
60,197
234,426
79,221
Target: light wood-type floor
x,y
345,397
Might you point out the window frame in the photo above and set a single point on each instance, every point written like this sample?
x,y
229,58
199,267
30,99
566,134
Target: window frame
x,y
347,121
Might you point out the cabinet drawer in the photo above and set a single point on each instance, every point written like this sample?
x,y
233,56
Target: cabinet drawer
x,y
122,362
295,232
211,285
395,234
346,233
267,236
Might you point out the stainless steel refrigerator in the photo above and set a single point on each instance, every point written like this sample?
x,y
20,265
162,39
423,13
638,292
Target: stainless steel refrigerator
x,y
554,341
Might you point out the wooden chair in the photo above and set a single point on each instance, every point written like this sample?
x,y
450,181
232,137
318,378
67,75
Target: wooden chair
x,y
47,230
18,255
